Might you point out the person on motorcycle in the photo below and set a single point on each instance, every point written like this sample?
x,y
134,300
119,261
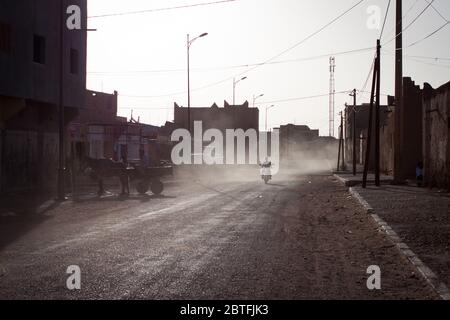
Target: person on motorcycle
x,y
266,173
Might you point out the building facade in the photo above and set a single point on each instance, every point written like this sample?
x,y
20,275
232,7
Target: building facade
x,y
300,145
436,135
30,61
423,134
357,118
229,117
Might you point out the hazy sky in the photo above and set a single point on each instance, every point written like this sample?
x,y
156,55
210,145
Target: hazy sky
x,y
144,55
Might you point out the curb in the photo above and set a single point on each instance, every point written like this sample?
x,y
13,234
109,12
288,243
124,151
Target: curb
x,y
430,277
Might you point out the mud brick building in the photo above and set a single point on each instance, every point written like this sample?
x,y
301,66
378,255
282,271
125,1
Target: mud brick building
x,y
86,133
423,134
228,117
436,135
29,88
299,143
361,113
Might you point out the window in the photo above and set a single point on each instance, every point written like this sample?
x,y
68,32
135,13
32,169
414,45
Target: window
x,y
74,61
39,49
5,38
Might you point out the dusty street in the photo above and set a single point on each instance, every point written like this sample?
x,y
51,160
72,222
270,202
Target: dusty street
x,y
302,237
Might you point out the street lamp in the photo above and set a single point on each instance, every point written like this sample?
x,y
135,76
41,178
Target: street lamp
x,y
256,97
234,88
267,109
188,45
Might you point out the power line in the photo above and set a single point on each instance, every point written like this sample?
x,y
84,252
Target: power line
x,y
406,14
267,61
411,23
101,73
159,9
302,98
438,12
416,59
428,58
261,103
385,18
447,22
430,35
311,35
382,94
430,64
367,80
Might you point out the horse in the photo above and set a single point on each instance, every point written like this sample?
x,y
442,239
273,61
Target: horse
x,y
107,168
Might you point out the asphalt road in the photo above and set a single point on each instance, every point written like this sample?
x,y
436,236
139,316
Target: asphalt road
x,y
298,238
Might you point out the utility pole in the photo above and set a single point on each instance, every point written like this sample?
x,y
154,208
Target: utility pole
x,y
61,121
189,85
369,130
341,145
331,97
343,137
353,94
374,94
377,117
2,157
398,174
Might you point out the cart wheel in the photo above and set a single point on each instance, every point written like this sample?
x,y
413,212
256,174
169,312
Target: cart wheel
x,y
157,187
142,186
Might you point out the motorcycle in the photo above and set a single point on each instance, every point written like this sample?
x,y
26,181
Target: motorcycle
x,y
265,172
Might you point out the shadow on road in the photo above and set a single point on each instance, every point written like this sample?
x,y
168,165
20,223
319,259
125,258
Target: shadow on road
x,y
21,213
276,185
118,197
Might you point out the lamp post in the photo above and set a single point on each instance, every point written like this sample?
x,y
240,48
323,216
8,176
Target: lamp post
x,y
353,94
267,109
257,97
188,45
234,88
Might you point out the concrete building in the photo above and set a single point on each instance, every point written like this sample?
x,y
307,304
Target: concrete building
x,y
29,87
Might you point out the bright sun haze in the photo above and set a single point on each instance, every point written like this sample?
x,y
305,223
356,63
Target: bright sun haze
x,y
143,55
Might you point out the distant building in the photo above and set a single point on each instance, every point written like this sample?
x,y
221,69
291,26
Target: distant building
x,y
228,117
96,128
299,143
29,88
361,113
99,133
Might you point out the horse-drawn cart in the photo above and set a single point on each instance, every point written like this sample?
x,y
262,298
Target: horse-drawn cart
x,y
148,178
